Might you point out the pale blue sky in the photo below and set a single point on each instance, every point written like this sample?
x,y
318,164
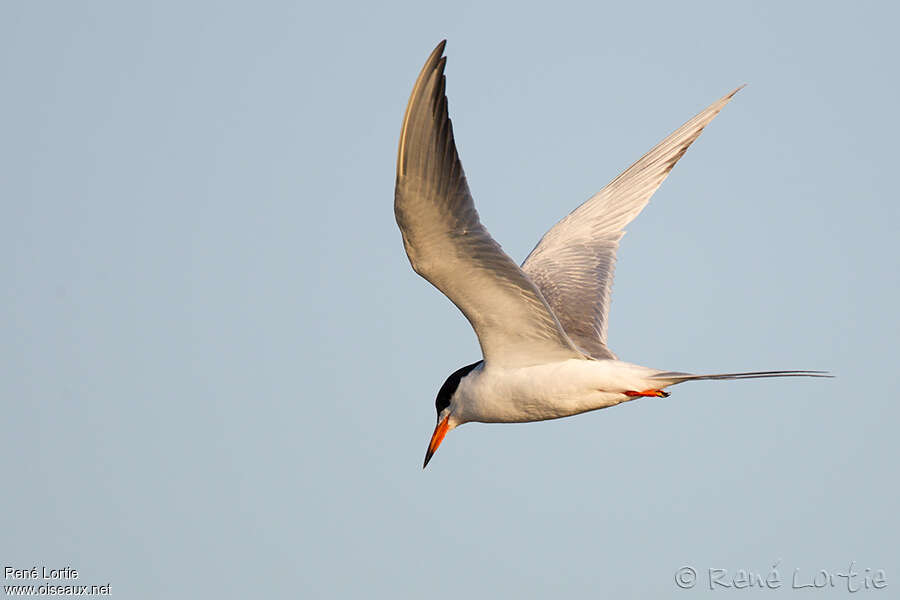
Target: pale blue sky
x,y
218,369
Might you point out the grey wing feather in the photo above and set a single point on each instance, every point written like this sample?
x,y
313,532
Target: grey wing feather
x,y
447,244
574,263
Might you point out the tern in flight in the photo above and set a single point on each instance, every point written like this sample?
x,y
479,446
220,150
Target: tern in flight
x,y
542,326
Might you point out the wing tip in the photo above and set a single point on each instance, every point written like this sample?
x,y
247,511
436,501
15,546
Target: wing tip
x,y
732,93
435,63
437,53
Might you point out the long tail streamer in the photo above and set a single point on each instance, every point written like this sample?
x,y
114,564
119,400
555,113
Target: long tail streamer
x,y
676,377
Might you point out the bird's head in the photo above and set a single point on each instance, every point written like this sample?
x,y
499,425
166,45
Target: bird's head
x,y
445,404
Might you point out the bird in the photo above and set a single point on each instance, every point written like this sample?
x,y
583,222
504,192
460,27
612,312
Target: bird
x,y
541,326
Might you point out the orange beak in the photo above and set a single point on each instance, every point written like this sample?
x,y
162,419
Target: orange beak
x,y
436,438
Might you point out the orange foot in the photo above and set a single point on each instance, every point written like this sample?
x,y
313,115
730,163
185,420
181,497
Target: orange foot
x,y
648,393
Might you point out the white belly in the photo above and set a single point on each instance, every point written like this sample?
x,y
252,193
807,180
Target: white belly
x,y
549,391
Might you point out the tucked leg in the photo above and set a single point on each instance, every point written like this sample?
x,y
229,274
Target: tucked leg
x,y
648,393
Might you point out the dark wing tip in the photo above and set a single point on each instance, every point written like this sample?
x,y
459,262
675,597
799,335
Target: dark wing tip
x,y
433,68
735,91
436,55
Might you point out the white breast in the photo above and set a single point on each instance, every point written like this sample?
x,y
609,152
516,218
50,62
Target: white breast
x,y
548,391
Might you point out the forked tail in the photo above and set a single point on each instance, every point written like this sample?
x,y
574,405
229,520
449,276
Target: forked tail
x,y
673,377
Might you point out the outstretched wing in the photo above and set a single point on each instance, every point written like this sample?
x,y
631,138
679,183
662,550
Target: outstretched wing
x,y
447,244
573,264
